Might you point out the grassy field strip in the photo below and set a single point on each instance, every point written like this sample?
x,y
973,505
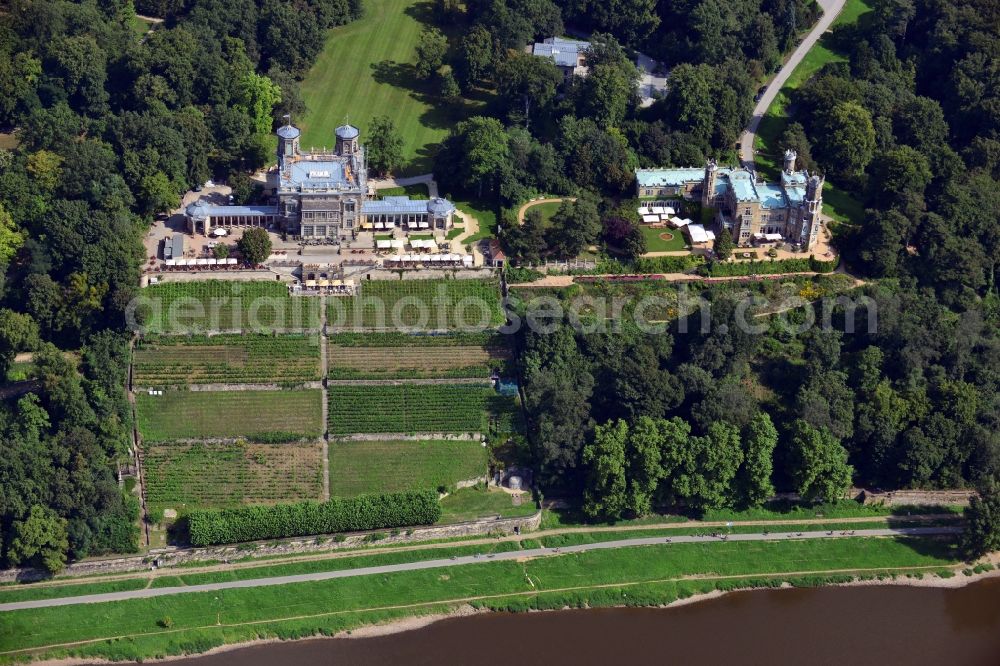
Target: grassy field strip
x,y
46,628
180,578
412,362
320,571
266,415
614,531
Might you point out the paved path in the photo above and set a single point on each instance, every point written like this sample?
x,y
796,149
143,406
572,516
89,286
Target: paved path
x,y
464,560
831,9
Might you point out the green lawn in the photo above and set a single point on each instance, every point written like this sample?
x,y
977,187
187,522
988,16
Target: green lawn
x,y
654,242
141,26
477,502
646,575
365,70
360,467
484,213
415,191
838,204
270,416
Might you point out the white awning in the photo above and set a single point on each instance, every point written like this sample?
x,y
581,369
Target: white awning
x,y
231,261
643,210
383,244
667,210
425,225
171,262
219,232
417,243
657,210
650,218
698,233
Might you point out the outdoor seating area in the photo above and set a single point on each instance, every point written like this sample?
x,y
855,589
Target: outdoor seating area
x,y
654,214
429,260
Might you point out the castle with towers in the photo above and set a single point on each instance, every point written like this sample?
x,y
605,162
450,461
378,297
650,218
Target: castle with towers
x,y
752,209
323,193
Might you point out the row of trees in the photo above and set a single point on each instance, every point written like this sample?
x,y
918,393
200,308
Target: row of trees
x,y
659,462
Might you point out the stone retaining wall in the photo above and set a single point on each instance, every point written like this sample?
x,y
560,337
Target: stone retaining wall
x,y
166,557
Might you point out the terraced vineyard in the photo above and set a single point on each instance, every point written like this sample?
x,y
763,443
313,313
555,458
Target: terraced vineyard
x,y
358,467
420,305
203,474
267,416
413,408
410,361
234,359
224,305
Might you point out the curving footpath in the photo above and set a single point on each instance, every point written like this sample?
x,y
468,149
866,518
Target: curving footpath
x,y
831,9
465,560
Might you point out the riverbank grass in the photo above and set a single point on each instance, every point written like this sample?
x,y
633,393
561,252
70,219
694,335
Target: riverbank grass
x,y
134,629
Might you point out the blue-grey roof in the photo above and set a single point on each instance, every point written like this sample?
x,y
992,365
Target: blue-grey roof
x,y
394,205
177,245
347,132
564,52
668,177
288,132
203,209
198,210
311,174
772,196
743,186
440,206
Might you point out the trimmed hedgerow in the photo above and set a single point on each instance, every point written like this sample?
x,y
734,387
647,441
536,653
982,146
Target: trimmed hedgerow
x,y
365,512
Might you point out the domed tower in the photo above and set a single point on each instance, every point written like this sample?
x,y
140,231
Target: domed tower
x,y
288,143
708,187
347,139
790,156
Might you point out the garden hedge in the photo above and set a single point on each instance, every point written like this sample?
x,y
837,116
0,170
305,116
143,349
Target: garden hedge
x,y
207,527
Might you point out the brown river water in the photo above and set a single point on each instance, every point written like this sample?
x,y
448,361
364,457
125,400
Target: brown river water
x,y
802,627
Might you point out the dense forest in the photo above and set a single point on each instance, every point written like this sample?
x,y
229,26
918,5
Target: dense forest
x,y
910,126
111,129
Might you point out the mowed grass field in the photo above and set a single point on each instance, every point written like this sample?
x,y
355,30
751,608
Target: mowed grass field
x,y
359,467
245,359
206,474
365,70
269,416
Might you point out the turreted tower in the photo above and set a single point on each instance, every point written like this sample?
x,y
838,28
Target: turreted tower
x,y
708,187
347,139
812,215
790,156
288,143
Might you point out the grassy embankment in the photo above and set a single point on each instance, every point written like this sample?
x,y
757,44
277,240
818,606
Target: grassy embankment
x,y
656,574
838,203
